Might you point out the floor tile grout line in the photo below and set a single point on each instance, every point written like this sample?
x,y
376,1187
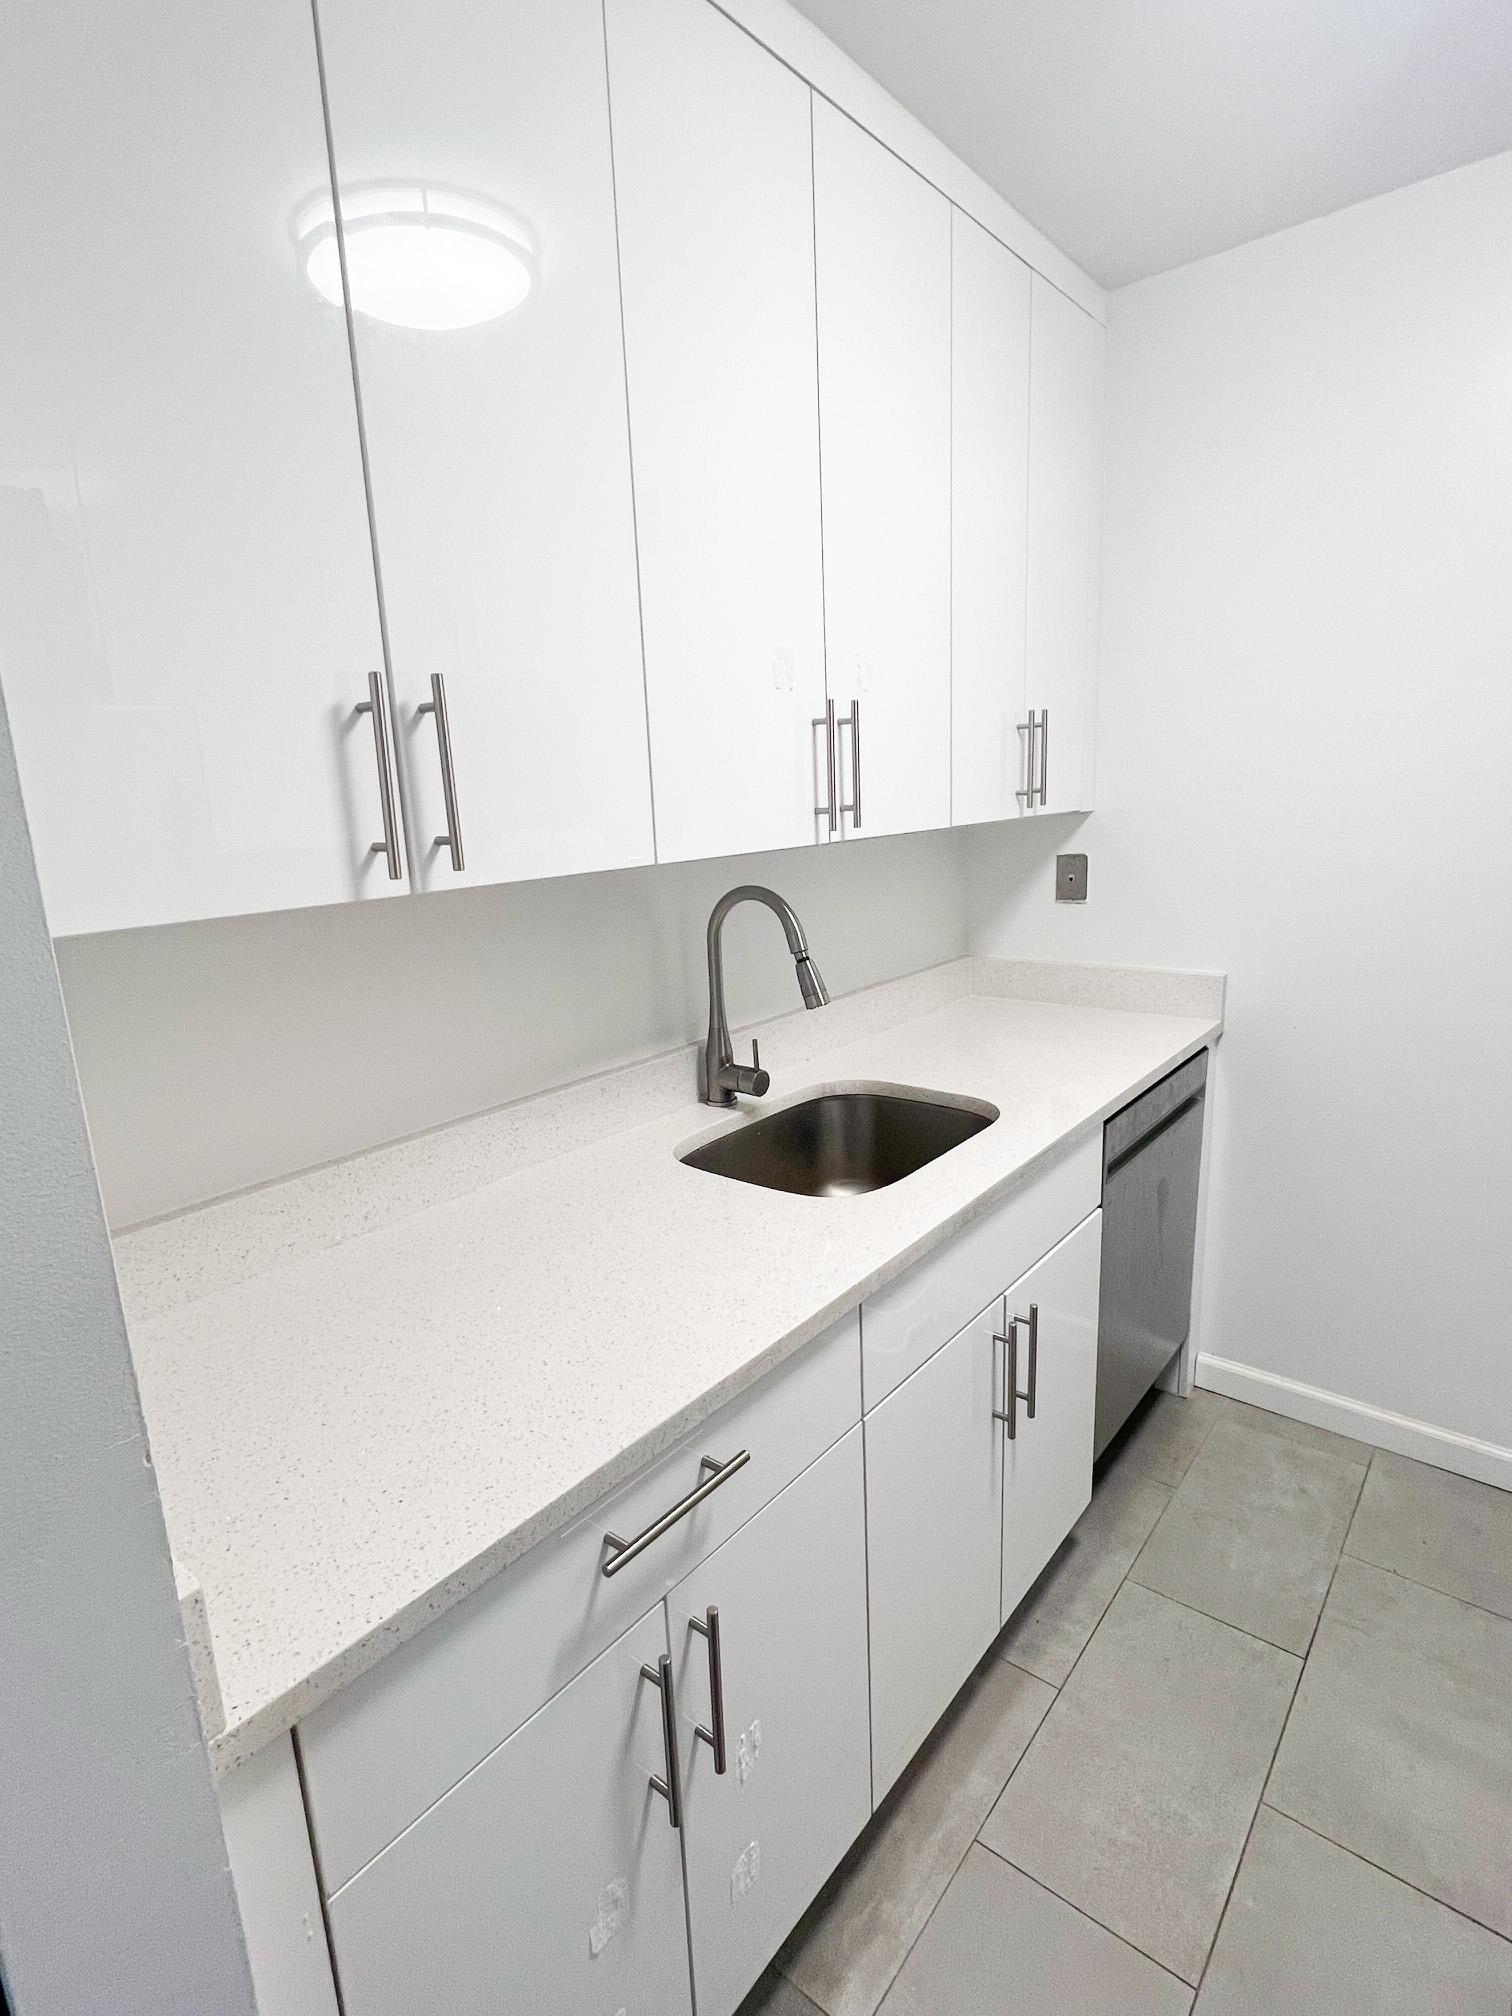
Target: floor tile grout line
x,y
972,1843
1253,1636
975,1842
1455,1910
1431,1588
1228,1897
1082,1912
1297,1690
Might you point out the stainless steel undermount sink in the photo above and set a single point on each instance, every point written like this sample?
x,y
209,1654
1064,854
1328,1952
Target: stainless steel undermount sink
x,y
841,1144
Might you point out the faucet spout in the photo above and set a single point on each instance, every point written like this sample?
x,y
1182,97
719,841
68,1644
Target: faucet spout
x,y
720,1077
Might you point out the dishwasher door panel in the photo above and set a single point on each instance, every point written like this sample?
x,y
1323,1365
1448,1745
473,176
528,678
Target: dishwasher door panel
x,y
1149,1240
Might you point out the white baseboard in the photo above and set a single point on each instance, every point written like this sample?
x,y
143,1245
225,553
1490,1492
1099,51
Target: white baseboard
x,y
1397,1432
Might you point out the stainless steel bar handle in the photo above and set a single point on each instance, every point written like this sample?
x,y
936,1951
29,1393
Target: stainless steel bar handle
x,y
1044,783
708,1627
828,810
376,706
1026,795
670,1787
621,1552
1008,1412
1028,1397
1011,1394
451,839
854,725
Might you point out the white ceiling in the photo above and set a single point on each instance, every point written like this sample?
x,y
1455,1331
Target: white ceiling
x,y
1139,134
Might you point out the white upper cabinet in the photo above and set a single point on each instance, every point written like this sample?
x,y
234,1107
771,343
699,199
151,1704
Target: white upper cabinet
x,y
187,607
882,237
989,525
713,169
1065,538
496,433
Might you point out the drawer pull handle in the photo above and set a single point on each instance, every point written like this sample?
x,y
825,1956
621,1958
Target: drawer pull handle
x,y
707,1627
670,1787
1012,1395
622,1551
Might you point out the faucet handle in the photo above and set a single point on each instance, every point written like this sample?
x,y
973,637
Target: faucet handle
x,y
748,1079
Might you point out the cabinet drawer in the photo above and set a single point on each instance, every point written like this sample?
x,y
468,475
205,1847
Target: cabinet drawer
x,y
912,1317
392,1743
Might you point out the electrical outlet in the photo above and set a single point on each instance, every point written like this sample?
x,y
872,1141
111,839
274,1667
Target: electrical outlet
x,y
1070,878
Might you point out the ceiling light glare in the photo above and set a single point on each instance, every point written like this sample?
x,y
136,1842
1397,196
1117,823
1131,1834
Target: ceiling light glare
x,y
418,257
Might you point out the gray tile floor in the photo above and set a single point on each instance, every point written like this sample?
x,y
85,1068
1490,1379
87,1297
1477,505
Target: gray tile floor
x,y
1245,1748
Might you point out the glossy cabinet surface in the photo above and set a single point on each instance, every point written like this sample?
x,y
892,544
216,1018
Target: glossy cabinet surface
x,y
1047,1464
390,1744
761,1838
499,452
1066,364
909,1319
188,615
882,250
989,525
934,1494
773,433
547,1883
713,172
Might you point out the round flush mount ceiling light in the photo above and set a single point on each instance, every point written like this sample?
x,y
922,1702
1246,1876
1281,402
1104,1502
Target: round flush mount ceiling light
x,y
418,257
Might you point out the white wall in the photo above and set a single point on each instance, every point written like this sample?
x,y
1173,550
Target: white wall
x,y
214,1055
1305,775
115,1896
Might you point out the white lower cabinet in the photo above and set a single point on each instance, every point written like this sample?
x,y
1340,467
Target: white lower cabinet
x,y
789,1593
547,1883
639,1812
968,1494
1047,1460
934,1493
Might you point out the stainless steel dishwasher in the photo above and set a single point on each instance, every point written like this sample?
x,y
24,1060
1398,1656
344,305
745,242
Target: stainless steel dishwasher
x,y
1151,1154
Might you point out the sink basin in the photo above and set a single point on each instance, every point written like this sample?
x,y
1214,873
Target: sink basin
x,y
841,1144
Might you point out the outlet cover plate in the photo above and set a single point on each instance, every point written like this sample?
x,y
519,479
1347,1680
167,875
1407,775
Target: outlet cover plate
x,y
1070,878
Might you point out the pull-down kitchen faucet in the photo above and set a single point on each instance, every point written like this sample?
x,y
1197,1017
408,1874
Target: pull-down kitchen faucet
x,y
719,1076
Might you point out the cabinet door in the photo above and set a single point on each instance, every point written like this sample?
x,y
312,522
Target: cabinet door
x,y
1047,1462
498,451
934,1525
188,614
714,176
1065,539
882,238
547,1883
790,1590
989,525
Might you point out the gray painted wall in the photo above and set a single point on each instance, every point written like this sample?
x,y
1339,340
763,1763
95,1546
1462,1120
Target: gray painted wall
x,y
214,1055
115,1895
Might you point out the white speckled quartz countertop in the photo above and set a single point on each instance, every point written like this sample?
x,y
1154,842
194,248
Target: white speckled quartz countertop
x,y
372,1387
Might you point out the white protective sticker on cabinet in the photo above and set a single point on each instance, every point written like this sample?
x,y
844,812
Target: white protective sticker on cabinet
x,y
613,1904
747,1868
747,1750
